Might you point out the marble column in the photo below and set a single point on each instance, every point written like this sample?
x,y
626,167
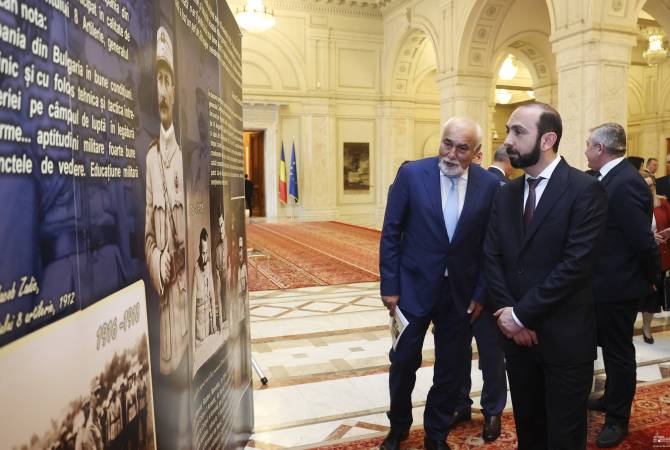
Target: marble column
x,y
592,70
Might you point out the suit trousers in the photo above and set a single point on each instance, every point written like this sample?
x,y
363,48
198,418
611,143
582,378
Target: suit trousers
x,y
451,335
549,401
615,321
492,365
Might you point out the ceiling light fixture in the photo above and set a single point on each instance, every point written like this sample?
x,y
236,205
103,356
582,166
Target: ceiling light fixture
x,y
255,18
655,52
503,96
509,68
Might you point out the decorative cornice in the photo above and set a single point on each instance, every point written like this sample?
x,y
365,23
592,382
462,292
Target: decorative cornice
x,y
359,8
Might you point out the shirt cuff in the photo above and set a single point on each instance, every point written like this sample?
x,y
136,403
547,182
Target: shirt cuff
x,y
516,319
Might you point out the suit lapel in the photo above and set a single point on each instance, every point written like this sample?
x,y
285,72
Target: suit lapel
x,y
471,198
556,186
433,189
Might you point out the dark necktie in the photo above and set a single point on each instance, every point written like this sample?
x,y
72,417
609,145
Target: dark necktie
x,y
529,210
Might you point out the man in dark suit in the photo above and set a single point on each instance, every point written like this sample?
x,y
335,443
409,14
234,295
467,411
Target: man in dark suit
x,y
541,247
663,183
430,265
625,273
501,166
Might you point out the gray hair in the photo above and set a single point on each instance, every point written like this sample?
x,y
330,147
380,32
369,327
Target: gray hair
x,y
501,155
478,129
612,136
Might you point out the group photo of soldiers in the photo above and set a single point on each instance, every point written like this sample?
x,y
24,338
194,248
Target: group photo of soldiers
x,y
116,414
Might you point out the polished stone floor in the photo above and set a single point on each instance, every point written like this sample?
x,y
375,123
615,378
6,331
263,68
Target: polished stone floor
x,y
325,352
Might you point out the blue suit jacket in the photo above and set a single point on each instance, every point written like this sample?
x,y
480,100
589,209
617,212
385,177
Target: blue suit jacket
x,y
415,249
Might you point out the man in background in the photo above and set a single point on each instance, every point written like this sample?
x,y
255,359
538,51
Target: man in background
x,y
625,273
652,165
501,166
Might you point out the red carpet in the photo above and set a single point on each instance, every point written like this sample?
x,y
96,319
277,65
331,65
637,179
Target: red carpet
x,y
305,254
649,427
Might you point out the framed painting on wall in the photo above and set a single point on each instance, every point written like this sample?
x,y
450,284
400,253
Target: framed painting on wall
x,y
356,166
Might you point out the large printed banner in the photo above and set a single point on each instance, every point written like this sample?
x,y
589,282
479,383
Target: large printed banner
x,y
121,160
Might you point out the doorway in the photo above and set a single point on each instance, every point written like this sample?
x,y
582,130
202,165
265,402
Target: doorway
x,y
254,168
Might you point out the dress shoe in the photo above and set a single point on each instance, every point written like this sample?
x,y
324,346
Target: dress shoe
x,y
611,435
430,444
491,430
393,440
648,340
460,416
595,404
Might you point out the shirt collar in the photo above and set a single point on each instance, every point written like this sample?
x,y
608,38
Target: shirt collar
x,y
168,143
549,170
609,166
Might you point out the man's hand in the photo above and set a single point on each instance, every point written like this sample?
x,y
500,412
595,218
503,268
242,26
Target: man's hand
x,y
390,301
475,309
665,234
525,338
166,266
506,322
658,237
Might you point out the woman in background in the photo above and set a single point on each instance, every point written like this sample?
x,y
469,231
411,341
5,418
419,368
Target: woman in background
x,y
661,227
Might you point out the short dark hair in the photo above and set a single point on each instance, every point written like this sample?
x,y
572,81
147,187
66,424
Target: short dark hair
x,y
203,234
550,121
651,159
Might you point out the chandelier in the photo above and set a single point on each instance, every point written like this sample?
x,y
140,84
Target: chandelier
x,y
255,18
655,52
509,68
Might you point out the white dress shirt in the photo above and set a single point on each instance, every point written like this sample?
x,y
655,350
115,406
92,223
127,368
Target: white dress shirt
x,y
539,190
445,186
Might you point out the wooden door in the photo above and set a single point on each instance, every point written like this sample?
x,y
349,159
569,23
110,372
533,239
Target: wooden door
x,y
255,169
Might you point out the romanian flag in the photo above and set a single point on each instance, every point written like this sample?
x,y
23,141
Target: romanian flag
x,y
282,177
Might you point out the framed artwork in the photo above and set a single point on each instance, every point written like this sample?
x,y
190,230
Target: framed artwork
x,y
356,166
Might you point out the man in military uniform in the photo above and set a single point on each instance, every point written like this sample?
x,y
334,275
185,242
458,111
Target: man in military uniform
x,y
89,436
142,407
132,438
222,270
164,237
202,294
165,220
114,420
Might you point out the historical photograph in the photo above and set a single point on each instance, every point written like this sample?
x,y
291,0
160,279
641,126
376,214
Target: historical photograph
x,y
104,403
356,166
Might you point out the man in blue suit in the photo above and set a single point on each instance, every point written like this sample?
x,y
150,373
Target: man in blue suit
x,y
431,252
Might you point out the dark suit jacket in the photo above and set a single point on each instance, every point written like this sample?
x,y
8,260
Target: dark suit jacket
x,y
415,249
545,272
499,173
630,261
663,186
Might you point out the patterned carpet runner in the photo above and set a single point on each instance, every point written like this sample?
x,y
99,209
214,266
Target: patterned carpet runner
x,y
649,427
284,256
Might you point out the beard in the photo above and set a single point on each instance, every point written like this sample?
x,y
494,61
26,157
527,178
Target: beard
x,y
520,161
450,168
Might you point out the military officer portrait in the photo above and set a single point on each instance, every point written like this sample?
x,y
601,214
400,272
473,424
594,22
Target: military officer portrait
x,y
203,298
164,247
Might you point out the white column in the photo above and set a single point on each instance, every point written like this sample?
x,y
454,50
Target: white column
x,y
592,70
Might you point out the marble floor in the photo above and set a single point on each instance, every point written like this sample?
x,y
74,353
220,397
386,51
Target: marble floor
x,y
325,352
